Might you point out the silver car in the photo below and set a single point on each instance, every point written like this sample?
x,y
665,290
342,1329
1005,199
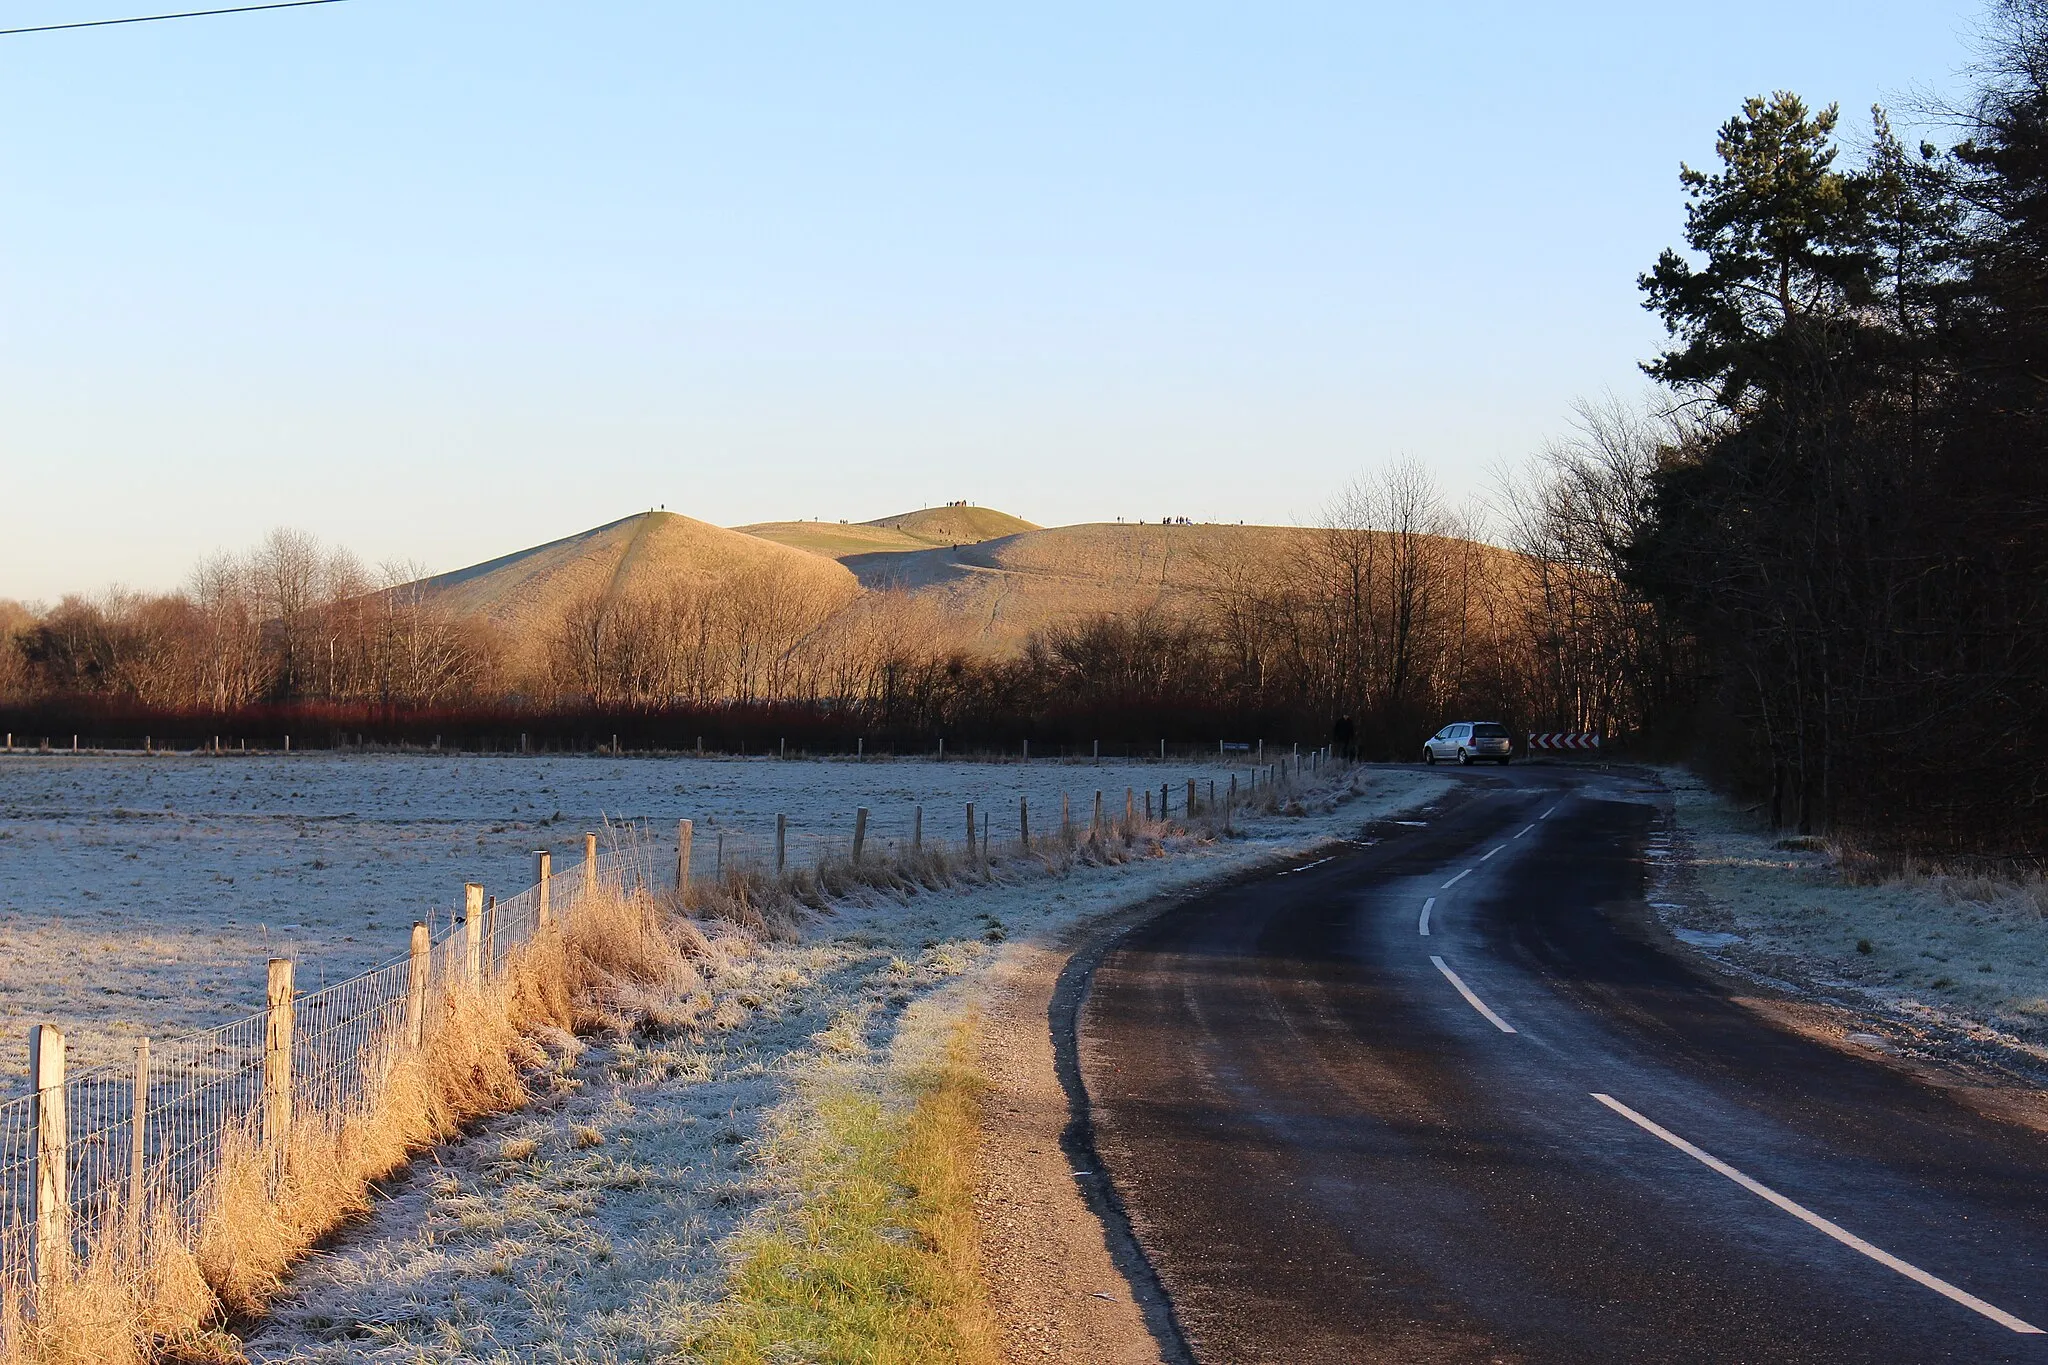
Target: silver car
x,y
1470,741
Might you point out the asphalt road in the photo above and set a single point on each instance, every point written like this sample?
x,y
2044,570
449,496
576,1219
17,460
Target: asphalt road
x,y
1331,1150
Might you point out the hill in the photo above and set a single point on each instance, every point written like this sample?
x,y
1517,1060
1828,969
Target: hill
x,y
886,578
920,530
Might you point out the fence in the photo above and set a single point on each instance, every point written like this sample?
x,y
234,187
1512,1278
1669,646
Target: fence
x,y
87,1159
90,1157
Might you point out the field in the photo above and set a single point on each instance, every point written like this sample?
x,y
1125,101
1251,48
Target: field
x,y
142,896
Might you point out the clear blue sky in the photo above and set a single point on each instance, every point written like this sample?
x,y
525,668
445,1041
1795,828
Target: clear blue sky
x,y
440,280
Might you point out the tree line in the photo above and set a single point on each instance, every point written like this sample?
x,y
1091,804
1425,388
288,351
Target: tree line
x,y
1845,521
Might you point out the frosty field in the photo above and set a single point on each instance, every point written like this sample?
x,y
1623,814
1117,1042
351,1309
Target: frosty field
x,y
142,895
598,1225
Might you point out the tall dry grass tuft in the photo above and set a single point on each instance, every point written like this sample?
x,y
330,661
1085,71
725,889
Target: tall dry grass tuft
x,y
145,1296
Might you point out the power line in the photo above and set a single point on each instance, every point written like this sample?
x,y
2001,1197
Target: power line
x,y
154,18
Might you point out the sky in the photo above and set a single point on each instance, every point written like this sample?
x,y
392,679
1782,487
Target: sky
x,y
440,280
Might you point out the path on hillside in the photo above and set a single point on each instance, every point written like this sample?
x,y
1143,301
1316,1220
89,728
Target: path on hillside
x,y
1332,1148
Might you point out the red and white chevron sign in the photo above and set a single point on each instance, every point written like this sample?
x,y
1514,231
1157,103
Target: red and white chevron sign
x,y
1565,740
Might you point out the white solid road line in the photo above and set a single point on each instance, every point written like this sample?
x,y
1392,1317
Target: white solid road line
x,y
1474,1001
1423,923
1491,854
1805,1215
1455,880
1525,830
1289,872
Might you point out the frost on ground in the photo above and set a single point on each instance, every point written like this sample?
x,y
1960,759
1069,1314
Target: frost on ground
x,y
597,1225
141,896
1964,956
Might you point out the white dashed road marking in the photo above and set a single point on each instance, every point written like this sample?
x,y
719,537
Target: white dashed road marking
x,y
1455,880
1423,923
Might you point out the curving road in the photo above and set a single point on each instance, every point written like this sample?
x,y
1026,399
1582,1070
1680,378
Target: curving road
x,y
1528,1135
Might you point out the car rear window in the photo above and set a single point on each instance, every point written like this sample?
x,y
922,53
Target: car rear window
x,y
1489,732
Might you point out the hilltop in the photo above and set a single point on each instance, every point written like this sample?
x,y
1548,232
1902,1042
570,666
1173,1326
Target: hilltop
x,y
920,530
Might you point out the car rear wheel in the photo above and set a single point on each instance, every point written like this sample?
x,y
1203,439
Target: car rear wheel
x,y
1464,758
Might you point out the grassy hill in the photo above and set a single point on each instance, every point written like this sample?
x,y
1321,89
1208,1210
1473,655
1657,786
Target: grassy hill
x,y
531,591
906,531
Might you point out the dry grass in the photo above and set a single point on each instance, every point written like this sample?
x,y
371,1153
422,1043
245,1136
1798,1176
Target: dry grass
x,y
152,1298
880,1261
2010,890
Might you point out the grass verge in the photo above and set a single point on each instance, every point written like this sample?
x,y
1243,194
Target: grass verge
x,y
879,1261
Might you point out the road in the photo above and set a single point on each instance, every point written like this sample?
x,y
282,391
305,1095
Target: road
x,y
1529,1134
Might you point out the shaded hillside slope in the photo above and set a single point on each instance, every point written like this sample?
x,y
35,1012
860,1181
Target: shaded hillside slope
x,y
987,598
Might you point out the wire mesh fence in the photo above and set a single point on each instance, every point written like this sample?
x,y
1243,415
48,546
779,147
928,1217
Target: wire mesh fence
x,y
93,1154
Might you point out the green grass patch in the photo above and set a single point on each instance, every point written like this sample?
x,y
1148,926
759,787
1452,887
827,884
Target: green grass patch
x,y
879,1262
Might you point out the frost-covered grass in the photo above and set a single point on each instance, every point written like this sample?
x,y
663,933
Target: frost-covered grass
x,y
1921,942
143,895
622,1216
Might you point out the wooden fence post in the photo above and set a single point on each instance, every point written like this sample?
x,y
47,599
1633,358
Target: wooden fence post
x,y
590,867
970,829
1098,753
138,1139
1190,811
781,841
544,873
277,1057
1163,789
52,1154
917,829
1066,820
1131,809
1231,805
1024,822
1027,751
860,831
473,933
416,983
686,832
1095,830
